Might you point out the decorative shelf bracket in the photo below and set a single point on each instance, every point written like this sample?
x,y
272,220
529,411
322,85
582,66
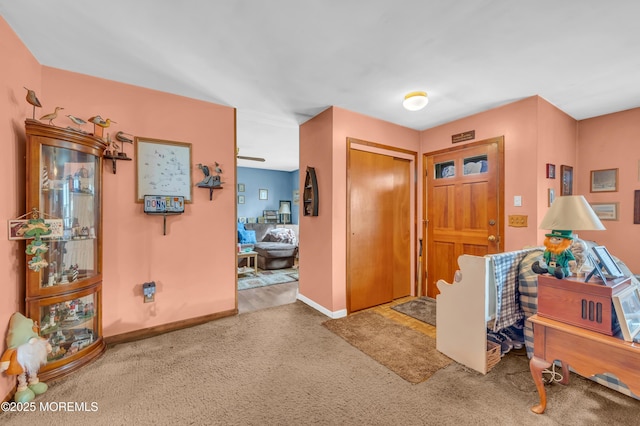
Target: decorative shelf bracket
x,y
114,159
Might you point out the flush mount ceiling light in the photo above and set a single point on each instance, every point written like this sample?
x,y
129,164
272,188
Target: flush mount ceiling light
x,y
415,101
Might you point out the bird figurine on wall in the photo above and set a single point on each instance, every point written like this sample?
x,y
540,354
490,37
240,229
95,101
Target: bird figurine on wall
x,y
33,100
52,116
207,182
218,169
120,136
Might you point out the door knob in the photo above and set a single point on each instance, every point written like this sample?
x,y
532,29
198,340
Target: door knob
x,y
491,238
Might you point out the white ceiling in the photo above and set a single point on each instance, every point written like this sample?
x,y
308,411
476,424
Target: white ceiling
x,y
280,62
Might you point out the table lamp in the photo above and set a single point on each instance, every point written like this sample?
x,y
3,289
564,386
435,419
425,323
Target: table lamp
x,y
570,213
284,210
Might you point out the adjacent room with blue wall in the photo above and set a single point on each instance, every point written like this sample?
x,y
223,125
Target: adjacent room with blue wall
x,y
279,186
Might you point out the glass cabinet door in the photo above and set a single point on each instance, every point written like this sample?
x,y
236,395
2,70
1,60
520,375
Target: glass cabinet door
x,y
69,323
68,191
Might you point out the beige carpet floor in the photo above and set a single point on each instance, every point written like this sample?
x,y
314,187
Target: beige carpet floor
x,y
280,366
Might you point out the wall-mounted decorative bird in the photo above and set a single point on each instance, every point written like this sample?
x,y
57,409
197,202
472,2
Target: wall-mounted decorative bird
x,y
52,116
120,136
206,182
218,169
210,181
33,100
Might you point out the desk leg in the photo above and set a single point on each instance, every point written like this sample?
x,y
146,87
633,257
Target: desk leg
x,y
537,365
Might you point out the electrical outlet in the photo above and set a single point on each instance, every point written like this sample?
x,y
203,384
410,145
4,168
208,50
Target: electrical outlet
x,y
149,291
518,221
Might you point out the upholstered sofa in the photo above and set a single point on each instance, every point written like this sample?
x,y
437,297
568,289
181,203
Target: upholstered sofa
x,y
276,245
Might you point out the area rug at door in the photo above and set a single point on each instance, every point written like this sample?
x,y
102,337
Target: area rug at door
x,y
422,308
265,278
409,353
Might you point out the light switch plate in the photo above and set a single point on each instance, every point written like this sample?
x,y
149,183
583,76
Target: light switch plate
x,y
517,200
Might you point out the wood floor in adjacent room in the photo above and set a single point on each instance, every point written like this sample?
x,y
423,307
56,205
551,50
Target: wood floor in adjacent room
x,y
254,299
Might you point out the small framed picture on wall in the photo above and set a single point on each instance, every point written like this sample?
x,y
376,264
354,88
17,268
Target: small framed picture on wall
x,y
240,199
566,173
551,171
263,194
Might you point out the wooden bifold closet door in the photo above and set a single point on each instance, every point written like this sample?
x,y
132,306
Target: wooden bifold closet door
x,y
379,247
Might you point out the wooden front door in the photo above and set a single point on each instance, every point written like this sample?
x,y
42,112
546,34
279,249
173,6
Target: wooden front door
x,y
379,246
463,206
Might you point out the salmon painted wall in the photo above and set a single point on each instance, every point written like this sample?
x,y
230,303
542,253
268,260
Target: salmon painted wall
x,y
608,142
331,130
194,264
316,254
557,144
19,68
519,123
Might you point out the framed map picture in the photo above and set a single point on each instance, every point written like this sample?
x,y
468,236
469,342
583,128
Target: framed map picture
x,y
162,168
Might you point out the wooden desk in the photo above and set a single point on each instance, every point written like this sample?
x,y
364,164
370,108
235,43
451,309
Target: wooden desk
x,y
248,255
587,352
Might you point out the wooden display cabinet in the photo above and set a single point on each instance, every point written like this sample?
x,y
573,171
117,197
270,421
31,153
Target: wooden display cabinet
x,y
64,295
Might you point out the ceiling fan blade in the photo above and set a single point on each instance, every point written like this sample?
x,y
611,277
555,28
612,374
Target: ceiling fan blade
x,y
242,157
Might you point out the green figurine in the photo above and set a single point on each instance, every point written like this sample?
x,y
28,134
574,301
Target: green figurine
x,y
557,256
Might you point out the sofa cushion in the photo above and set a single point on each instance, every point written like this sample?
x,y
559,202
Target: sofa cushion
x,y
272,249
260,229
281,235
246,237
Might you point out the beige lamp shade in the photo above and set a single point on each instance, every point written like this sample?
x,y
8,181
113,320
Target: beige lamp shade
x,y
571,213
284,208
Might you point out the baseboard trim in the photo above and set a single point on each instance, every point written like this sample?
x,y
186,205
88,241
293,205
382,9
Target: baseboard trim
x,y
165,328
333,315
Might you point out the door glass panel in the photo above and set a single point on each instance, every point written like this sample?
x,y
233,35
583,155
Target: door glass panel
x,y
68,192
446,169
475,165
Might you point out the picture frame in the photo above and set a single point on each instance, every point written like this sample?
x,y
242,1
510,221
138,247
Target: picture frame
x,y
162,168
627,306
551,196
241,187
240,199
551,171
263,194
605,180
296,197
606,211
636,207
566,186
242,219
270,216
606,262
